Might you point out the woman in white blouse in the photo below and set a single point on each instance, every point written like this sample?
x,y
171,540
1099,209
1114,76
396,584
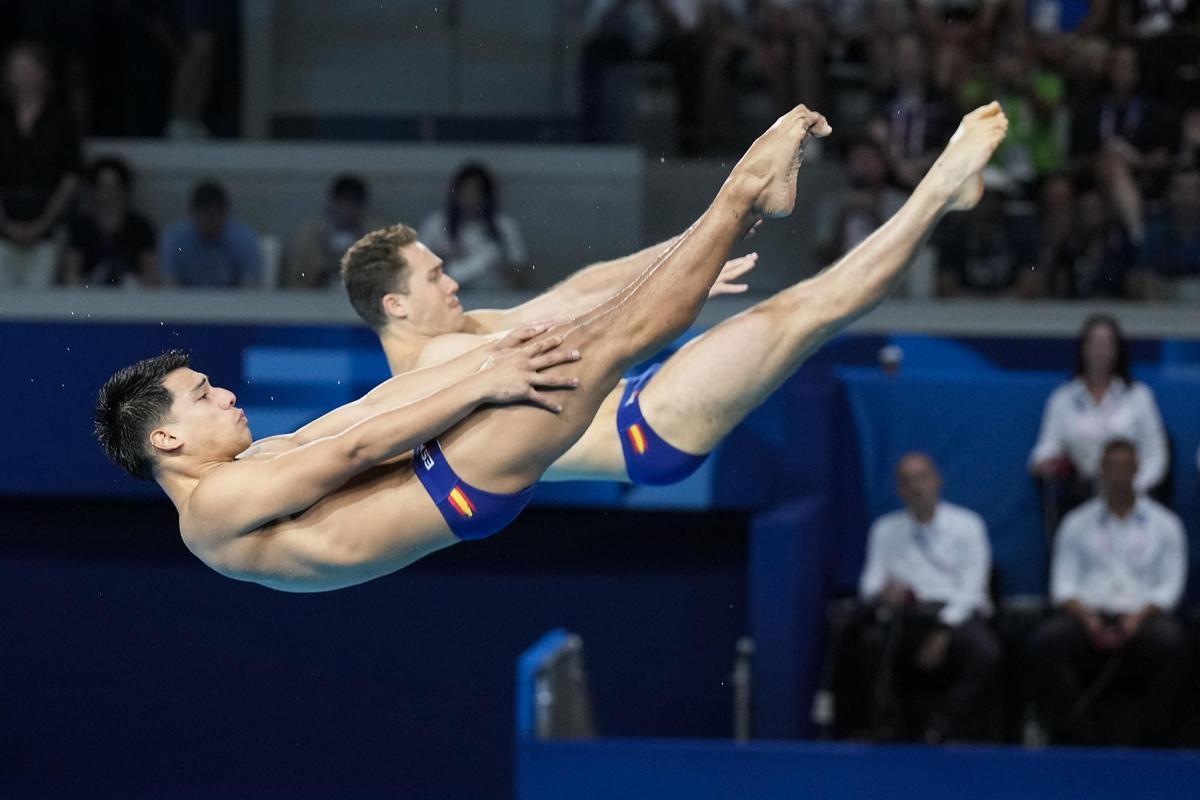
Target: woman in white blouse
x,y
481,247
1100,403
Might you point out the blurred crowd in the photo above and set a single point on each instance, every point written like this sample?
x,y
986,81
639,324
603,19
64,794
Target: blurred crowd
x,y
66,223
930,651
1094,194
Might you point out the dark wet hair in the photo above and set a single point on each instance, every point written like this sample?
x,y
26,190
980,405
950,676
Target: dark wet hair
x,y
130,405
117,165
349,187
209,194
373,267
468,171
1121,364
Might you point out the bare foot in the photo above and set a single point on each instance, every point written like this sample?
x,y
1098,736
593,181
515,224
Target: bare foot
x,y
959,169
772,162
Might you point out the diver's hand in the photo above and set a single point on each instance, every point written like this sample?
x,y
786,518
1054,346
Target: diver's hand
x,y
513,371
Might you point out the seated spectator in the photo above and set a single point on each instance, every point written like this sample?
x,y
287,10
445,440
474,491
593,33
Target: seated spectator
x,y
915,121
1032,99
1094,262
315,252
970,22
482,248
210,249
986,252
39,169
110,243
623,31
1100,403
1187,154
1123,139
1172,248
863,207
1056,227
1165,33
1119,568
1085,64
927,577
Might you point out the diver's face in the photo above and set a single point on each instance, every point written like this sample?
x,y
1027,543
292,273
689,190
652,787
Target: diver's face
x,y
431,305
205,420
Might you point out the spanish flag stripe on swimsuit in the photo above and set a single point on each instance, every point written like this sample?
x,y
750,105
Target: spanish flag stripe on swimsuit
x,y
470,512
649,459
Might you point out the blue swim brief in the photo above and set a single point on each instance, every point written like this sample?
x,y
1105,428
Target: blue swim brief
x,y
649,459
470,512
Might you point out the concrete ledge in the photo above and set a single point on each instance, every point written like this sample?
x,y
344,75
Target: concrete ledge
x,y
943,318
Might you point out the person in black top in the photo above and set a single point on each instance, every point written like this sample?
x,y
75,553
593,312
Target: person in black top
x,y
915,119
110,243
39,168
1123,139
987,252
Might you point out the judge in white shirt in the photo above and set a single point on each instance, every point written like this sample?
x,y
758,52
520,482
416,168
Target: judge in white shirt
x,y
1119,569
1101,402
927,573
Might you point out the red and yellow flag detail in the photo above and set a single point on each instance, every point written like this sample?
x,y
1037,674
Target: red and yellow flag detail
x,y
637,438
462,504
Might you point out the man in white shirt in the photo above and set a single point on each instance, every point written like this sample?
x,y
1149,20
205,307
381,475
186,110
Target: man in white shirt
x,y
1120,564
927,578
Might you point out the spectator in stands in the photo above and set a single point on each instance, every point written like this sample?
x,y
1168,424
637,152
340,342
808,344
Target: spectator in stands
x,y
1101,402
1032,98
624,31
986,252
867,203
1172,248
1056,228
39,169
971,22
1119,568
210,249
1166,45
1123,139
482,248
765,41
915,120
926,578
1187,154
110,243
194,47
1095,261
1085,61
315,253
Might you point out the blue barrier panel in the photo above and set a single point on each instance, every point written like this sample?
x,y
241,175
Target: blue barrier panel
x,y
633,769
527,668
791,548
